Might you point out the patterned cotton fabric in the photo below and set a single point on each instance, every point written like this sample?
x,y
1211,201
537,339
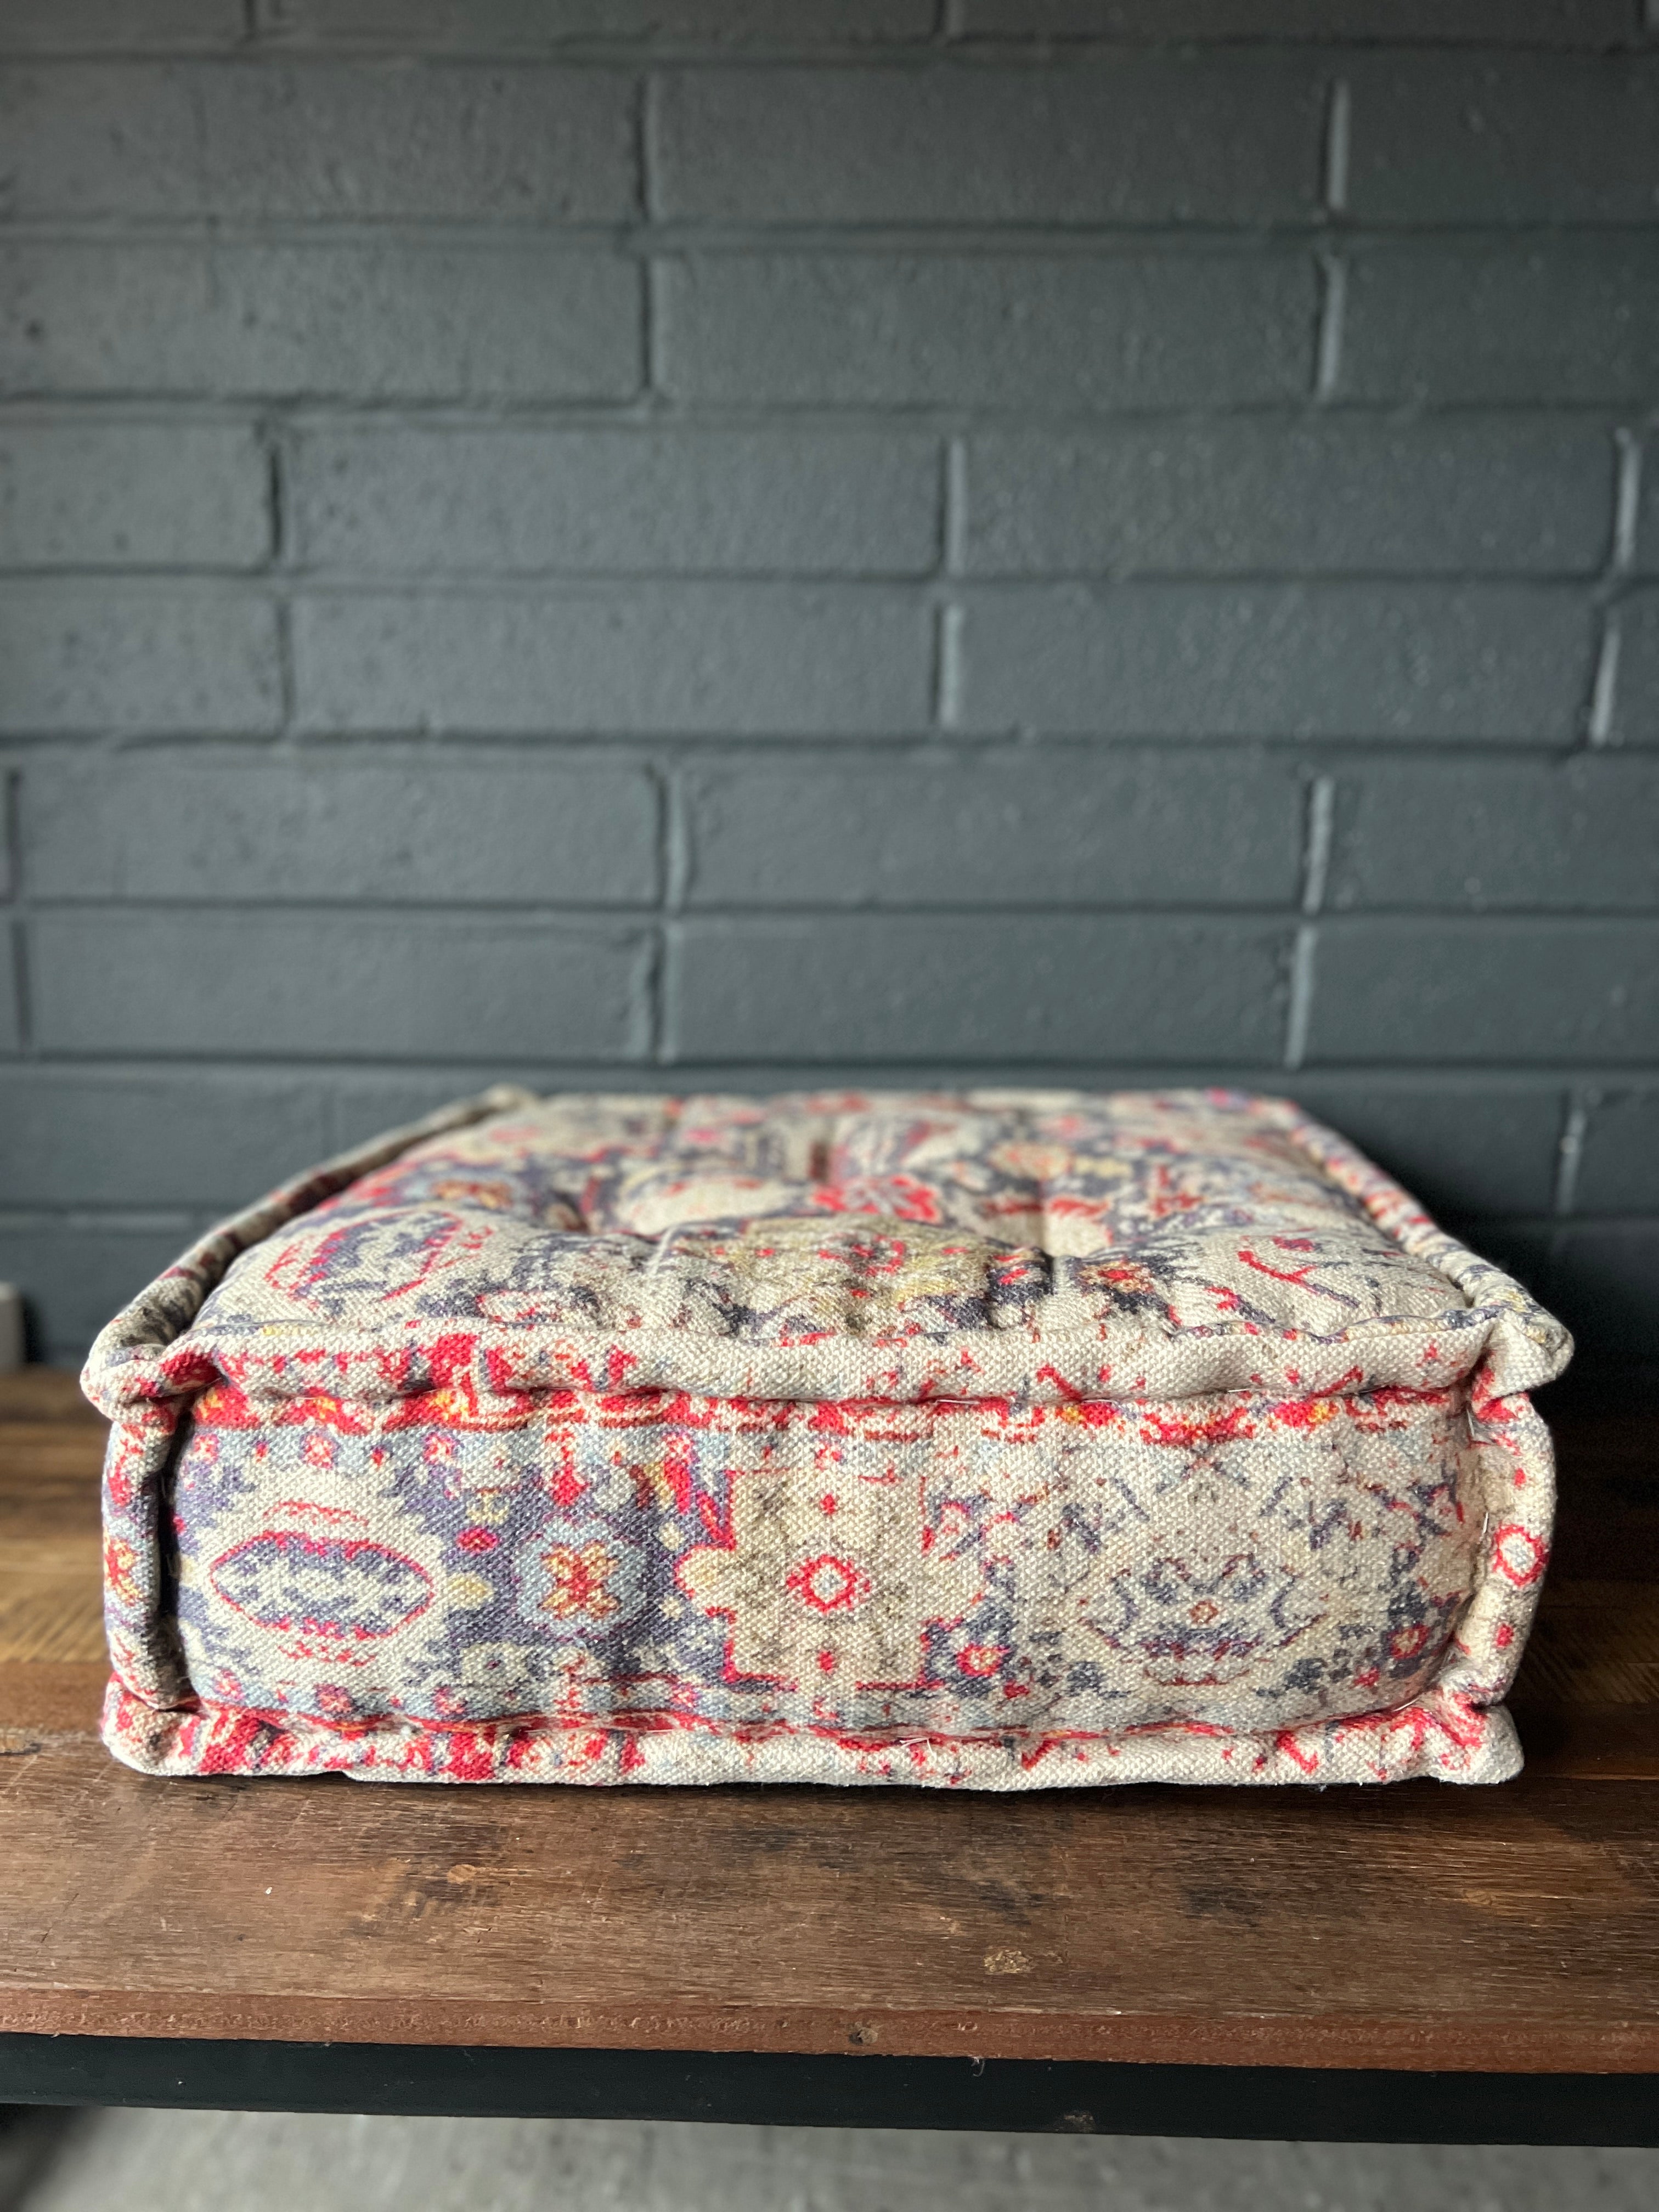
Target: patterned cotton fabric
x,y
1007,1440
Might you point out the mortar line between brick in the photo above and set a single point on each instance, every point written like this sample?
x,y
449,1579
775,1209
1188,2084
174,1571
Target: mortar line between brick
x,y
674,864
1188,240
1391,1078
947,667
285,690
653,291
20,981
1598,722
1569,1152
277,501
1626,502
674,839
1316,854
1333,302
1299,1014
953,495
651,1043
1339,126
645,145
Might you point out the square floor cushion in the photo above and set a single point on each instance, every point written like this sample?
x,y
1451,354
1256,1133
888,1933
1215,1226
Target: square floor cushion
x,y
1005,1440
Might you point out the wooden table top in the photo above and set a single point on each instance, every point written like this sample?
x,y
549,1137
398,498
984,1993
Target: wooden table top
x,y
1419,1926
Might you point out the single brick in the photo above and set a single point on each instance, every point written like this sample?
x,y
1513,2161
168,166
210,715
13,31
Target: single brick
x,y
1026,330
1604,1284
88,26
485,829
1449,495
1513,322
1073,826
999,988
504,499
200,140
542,26
1509,138
132,494
196,1137
1461,1144
1141,138
1526,992
1618,1164
487,321
76,1274
81,658
1580,832
351,984
1318,660
692,658
1636,695
1479,22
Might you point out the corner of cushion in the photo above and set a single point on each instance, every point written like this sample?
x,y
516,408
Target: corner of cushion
x,y
136,1356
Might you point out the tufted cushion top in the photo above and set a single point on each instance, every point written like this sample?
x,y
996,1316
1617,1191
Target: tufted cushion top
x,y
1023,1243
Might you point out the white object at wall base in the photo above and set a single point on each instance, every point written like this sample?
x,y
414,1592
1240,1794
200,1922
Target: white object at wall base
x,y
11,1329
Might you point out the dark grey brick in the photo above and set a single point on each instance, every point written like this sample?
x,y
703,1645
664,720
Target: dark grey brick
x,y
199,140
1636,698
1530,993
999,987
514,320
1476,661
132,494
1619,1166
1581,833
1479,22
406,499
681,658
196,1137
93,26
1462,1144
76,1274
1074,826
347,984
77,658
1508,322
1604,1284
989,331
1142,138
487,830
509,27
1512,138
1514,497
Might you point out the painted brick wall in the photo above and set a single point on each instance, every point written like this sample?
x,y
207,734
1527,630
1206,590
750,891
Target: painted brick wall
x,y
763,542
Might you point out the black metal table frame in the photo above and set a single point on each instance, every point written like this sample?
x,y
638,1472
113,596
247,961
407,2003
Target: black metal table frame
x,y
1033,2096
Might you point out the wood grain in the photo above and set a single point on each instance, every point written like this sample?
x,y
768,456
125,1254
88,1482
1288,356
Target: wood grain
x,y
1415,1927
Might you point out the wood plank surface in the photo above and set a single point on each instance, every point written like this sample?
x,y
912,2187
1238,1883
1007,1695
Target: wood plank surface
x,y
1418,1926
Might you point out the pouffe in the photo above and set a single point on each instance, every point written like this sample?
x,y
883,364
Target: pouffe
x,y
1003,1440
